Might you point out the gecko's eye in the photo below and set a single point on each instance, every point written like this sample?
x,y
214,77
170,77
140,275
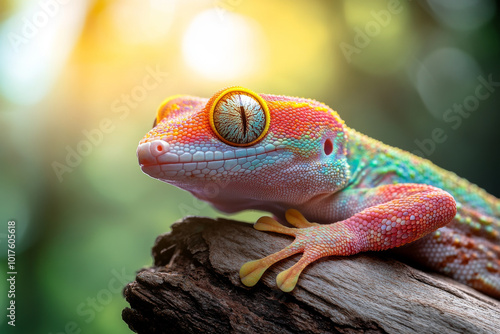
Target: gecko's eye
x,y
239,117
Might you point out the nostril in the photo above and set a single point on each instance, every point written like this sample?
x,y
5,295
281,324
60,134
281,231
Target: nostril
x,y
158,147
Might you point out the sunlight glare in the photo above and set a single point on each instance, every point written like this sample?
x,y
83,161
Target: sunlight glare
x,y
223,47
35,47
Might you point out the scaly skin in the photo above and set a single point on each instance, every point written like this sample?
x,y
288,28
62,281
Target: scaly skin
x,y
292,156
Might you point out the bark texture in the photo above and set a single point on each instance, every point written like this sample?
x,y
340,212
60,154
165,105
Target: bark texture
x,y
194,287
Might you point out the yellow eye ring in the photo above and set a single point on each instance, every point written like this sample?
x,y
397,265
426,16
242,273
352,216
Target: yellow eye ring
x,y
239,117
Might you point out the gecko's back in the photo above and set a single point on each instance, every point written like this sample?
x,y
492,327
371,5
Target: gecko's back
x,y
468,248
374,163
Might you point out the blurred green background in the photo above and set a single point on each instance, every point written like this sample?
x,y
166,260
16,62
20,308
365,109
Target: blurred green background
x,y
80,82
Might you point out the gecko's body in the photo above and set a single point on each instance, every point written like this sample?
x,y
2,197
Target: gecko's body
x,y
240,150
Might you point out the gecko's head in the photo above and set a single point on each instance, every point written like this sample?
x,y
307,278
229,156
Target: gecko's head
x,y
240,149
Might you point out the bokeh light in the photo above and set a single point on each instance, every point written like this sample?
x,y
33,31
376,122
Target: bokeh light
x,y
463,14
36,43
223,47
444,73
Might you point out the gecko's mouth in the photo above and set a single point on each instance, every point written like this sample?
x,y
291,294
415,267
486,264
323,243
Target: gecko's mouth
x,y
158,160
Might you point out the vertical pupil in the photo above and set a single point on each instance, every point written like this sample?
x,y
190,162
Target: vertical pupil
x,y
243,117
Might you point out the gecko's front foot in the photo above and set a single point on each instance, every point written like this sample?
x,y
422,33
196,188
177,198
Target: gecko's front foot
x,y
314,240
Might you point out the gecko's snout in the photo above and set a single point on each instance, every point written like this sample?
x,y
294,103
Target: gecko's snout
x,y
148,152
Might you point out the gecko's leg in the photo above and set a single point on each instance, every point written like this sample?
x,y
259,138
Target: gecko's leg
x,y
383,226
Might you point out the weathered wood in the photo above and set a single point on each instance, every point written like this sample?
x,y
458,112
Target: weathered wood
x,y
194,287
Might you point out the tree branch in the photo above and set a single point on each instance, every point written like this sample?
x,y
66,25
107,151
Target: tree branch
x,y
194,287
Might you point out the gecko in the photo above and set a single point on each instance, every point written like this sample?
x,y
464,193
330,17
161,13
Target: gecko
x,y
337,191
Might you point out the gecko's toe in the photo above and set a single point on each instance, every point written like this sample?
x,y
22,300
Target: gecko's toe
x,y
270,225
286,280
295,218
251,272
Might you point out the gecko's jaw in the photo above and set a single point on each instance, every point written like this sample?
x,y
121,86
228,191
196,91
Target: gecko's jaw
x,y
160,160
